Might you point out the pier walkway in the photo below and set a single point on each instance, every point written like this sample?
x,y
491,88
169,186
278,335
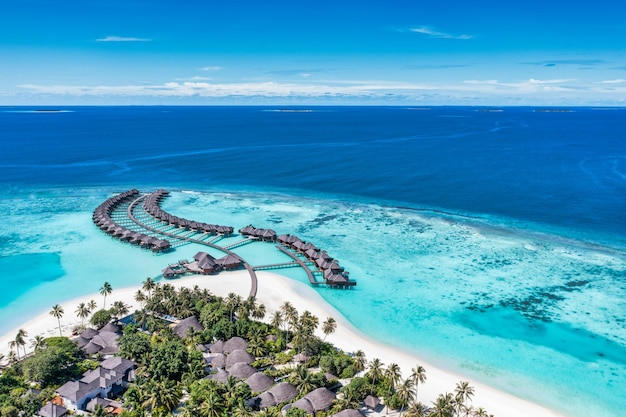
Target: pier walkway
x,y
138,219
246,265
300,262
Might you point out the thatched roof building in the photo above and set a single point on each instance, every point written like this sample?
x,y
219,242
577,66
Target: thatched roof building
x,y
220,376
217,347
278,394
259,382
371,402
216,361
230,261
241,370
239,356
235,343
316,400
182,328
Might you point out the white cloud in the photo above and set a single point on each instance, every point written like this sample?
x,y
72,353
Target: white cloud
x,y
121,39
210,68
618,81
195,78
205,89
530,91
425,30
521,87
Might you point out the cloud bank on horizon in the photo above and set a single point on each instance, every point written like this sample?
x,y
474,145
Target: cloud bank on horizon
x,y
452,53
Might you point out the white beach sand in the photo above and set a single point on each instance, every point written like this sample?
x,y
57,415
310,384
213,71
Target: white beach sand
x,y
273,291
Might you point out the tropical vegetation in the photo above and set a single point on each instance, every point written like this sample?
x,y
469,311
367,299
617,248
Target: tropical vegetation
x,y
171,374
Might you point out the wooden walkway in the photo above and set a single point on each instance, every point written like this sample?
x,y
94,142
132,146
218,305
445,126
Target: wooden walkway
x,y
301,263
253,278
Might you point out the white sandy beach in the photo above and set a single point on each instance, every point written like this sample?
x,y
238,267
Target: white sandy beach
x,y
273,291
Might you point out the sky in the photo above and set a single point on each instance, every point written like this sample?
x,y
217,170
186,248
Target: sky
x,y
420,52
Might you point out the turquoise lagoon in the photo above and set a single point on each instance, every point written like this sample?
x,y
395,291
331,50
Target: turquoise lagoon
x,y
535,314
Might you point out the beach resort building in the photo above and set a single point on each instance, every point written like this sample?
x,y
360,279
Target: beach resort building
x,y
110,378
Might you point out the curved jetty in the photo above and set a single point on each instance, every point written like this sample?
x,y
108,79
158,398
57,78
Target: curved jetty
x,y
138,218
102,218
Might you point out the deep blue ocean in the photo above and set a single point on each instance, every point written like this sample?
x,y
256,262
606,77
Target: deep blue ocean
x,y
504,229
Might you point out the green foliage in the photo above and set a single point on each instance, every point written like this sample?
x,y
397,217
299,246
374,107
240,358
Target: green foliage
x,y
168,360
393,401
262,363
224,329
284,357
296,412
276,373
64,344
87,365
8,382
54,365
134,346
348,372
338,364
100,318
359,387
9,411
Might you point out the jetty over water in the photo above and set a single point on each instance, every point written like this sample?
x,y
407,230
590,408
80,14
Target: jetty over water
x,y
138,219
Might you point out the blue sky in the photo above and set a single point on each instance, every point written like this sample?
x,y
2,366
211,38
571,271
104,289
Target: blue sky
x,y
303,52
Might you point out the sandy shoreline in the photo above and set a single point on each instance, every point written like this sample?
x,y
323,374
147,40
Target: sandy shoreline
x,y
273,291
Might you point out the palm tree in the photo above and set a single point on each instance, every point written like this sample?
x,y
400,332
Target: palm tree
x,y
329,326
82,311
105,290
443,406
57,311
303,380
375,372
393,375
418,374
213,406
259,312
230,392
92,305
406,393
241,410
38,343
276,321
256,347
480,412
232,301
148,285
463,393
304,330
290,314
141,318
13,345
140,297
359,360
417,409
120,309
20,340
164,393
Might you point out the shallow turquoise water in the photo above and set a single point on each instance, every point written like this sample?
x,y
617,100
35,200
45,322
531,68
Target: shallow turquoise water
x,y
535,314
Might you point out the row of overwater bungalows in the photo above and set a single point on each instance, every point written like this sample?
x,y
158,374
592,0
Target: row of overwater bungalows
x,y
333,273
151,205
102,219
267,235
